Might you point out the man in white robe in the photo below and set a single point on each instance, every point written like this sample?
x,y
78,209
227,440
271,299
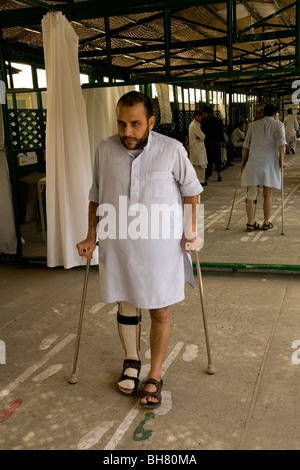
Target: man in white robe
x,y
141,172
262,158
197,148
237,138
291,127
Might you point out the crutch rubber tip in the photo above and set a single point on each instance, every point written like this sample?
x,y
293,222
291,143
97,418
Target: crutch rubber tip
x,y
227,228
210,369
72,379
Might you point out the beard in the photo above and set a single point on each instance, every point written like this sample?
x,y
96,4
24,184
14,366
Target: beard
x,y
139,143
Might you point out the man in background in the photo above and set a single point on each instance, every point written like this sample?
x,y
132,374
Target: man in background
x,y
197,149
262,158
212,127
291,127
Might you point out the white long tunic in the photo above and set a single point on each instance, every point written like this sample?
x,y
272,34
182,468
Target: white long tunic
x,y
263,139
291,125
147,269
237,137
196,143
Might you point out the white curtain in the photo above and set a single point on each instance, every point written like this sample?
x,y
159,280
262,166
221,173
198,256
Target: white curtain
x,y
163,95
222,109
8,239
101,112
68,166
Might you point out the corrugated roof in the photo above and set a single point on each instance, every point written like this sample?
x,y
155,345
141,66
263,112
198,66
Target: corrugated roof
x,y
263,35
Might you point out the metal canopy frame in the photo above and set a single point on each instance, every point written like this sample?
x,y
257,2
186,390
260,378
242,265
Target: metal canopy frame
x,y
174,41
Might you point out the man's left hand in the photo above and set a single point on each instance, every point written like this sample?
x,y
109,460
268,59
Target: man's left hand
x,y
190,245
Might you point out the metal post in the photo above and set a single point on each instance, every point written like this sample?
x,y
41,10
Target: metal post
x,y
297,58
108,48
230,109
229,35
176,111
167,37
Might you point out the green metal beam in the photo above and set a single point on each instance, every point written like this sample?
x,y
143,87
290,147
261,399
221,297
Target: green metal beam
x,y
298,33
91,9
251,267
240,38
108,49
204,77
196,24
229,36
214,64
262,21
121,29
282,12
167,36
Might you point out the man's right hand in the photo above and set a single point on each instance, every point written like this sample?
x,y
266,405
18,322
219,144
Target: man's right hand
x,y
86,248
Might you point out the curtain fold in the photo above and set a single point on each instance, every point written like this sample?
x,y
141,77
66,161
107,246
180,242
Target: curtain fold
x,y
101,112
8,238
163,95
68,166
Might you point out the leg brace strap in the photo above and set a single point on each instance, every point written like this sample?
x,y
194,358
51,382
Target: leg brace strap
x,y
129,325
129,320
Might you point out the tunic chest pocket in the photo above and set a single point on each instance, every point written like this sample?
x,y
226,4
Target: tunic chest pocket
x,y
159,183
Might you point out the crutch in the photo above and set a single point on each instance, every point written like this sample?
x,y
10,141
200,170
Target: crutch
x,y
210,368
73,376
282,199
233,201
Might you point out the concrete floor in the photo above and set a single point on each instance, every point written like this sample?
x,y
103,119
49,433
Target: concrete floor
x,y
251,402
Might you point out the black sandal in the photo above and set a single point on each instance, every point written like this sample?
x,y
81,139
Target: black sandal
x,y
267,226
134,364
156,394
252,228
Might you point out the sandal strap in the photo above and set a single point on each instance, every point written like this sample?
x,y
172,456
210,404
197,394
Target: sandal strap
x,y
135,364
157,393
155,382
128,377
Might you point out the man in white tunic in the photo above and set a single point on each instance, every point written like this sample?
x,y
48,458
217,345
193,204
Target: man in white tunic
x,y
142,265
291,127
262,157
197,148
237,138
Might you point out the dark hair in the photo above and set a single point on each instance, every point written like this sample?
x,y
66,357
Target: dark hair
x,y
134,97
198,113
270,110
290,111
207,110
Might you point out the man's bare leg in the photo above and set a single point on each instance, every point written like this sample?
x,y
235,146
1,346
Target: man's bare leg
x,y
267,206
160,334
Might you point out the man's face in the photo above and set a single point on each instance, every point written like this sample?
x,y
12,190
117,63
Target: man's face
x,y
198,117
133,126
260,114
